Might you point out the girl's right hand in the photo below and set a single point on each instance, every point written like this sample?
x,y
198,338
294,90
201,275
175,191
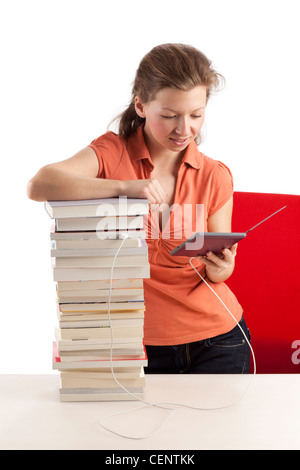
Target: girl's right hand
x,y
149,189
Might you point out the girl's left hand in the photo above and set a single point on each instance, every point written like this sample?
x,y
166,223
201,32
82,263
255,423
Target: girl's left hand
x,y
219,267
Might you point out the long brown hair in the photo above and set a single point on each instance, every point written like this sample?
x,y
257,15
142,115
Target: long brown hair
x,y
170,65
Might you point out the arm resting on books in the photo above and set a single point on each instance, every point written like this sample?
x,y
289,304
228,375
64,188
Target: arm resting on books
x,y
76,178
72,179
51,183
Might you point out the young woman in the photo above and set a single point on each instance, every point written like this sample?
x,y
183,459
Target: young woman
x,y
154,155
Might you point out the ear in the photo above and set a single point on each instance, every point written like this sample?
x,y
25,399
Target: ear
x,y
139,107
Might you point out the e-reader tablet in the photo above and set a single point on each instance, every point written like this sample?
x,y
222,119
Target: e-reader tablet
x,y
202,242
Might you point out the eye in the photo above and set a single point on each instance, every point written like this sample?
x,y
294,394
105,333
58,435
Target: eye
x,y
168,117
196,117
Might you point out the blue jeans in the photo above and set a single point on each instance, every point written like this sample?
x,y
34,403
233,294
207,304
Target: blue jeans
x,y
228,353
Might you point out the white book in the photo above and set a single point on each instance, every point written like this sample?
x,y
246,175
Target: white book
x,y
95,364
91,316
74,253
101,295
101,363
104,374
100,306
101,390
97,207
86,381
94,354
98,273
102,333
99,223
97,236
86,299
95,243
101,261
126,322
77,347
63,286
91,397
92,343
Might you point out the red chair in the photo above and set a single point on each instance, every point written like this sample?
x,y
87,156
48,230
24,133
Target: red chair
x,y
266,279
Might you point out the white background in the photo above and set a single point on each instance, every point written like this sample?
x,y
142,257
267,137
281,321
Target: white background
x,y
66,70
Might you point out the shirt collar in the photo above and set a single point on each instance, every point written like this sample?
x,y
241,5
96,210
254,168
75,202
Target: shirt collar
x,y
136,146
192,156
138,150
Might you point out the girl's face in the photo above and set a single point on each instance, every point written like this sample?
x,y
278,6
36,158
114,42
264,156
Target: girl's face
x,y
173,118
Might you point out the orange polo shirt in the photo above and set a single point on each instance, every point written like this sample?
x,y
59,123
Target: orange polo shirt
x,y
180,308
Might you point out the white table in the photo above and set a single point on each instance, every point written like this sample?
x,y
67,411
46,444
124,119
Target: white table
x,y
268,417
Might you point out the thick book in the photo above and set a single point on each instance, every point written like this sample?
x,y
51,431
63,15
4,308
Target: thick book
x,y
102,384
102,323
101,295
98,273
95,285
113,235
96,345
125,361
100,307
131,351
76,395
142,249
86,381
89,344
97,207
99,224
102,332
85,242
101,261
98,316
103,374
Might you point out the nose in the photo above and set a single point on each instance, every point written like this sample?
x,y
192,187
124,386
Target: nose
x,y
182,126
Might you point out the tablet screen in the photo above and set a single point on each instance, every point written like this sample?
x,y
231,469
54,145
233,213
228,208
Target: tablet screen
x,y
201,243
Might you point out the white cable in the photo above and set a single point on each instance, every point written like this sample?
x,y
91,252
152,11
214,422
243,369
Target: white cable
x,y
160,405
112,369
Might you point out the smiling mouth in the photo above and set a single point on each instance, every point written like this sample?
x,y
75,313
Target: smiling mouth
x,y
179,141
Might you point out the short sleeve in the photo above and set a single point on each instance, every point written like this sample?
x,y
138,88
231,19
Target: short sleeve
x,y
222,187
108,148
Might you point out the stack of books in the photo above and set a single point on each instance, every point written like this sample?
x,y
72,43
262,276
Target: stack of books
x,y
98,347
